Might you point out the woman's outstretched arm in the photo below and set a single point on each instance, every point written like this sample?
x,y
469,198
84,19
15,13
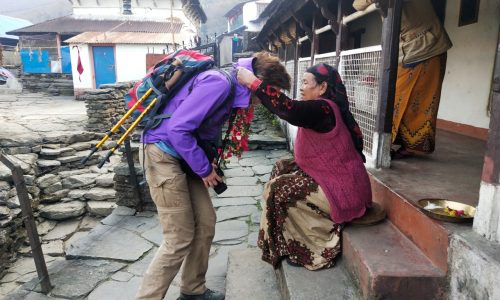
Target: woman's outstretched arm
x,y
312,114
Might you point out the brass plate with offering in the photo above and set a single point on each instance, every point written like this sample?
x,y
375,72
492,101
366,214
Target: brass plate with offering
x,y
445,210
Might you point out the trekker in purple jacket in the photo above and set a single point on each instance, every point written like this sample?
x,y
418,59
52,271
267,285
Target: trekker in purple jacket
x,y
200,108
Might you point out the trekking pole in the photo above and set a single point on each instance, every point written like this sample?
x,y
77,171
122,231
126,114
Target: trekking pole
x,y
125,135
116,127
172,79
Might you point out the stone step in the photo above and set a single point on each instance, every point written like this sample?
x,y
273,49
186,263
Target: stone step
x,y
298,283
249,278
429,235
388,265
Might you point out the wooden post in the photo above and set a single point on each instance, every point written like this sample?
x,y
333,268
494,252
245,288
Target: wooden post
x,y
387,87
29,222
296,61
340,32
487,219
314,41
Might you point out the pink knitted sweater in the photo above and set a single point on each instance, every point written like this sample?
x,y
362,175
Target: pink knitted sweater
x,y
333,162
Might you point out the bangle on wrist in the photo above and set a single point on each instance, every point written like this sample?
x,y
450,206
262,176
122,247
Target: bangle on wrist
x,y
255,84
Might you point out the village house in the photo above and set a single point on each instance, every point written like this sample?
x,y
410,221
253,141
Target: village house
x,y
108,41
410,255
243,25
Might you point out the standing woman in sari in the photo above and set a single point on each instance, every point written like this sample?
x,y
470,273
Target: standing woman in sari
x,y
307,200
423,43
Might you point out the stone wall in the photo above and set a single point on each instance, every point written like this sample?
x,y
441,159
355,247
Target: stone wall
x,y
60,187
105,105
54,83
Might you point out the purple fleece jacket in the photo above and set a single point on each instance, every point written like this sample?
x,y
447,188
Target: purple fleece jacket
x,y
204,111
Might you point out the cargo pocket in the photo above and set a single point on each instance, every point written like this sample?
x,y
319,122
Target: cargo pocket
x,y
170,192
167,183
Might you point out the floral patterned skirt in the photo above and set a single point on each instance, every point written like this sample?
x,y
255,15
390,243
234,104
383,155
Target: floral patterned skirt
x,y
295,221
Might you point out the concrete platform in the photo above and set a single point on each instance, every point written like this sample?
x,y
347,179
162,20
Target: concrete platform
x,y
250,278
453,172
298,283
389,266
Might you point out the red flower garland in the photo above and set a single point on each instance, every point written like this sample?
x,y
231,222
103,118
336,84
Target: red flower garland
x,y
238,138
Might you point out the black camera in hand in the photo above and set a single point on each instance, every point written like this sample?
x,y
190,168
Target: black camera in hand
x,y
221,186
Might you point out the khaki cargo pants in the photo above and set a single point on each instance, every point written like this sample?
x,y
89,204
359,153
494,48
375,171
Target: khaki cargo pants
x,y
187,218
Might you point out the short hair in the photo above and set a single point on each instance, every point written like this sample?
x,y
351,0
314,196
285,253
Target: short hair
x,y
268,68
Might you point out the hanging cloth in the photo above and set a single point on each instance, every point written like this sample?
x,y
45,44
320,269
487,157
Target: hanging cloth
x,y
79,66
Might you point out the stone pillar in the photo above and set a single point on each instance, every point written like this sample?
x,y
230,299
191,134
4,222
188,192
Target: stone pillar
x,y
487,219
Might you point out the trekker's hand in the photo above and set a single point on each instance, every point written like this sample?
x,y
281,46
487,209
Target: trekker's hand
x,y
212,180
245,77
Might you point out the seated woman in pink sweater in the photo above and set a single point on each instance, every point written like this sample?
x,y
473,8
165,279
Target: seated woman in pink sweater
x,y
307,200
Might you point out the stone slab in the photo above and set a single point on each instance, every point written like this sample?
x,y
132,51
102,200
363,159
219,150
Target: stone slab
x,y
139,267
122,276
62,211
298,283
249,278
241,181
77,278
242,191
238,172
388,263
62,231
116,290
100,208
233,212
262,170
154,235
218,202
100,194
229,230
108,242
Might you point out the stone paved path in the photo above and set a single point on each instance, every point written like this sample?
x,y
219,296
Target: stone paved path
x,y
31,117
108,262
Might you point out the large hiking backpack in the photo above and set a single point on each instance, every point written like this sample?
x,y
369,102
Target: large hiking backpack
x,y
192,63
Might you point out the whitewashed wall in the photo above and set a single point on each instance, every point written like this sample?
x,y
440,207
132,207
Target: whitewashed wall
x,y
141,10
130,64
372,24
469,69
250,13
86,80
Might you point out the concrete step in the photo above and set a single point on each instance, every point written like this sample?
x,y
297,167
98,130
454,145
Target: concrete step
x,y
250,278
298,283
389,266
429,235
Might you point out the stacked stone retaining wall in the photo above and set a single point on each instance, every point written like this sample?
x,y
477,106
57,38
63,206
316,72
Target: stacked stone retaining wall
x,y
59,186
105,105
56,84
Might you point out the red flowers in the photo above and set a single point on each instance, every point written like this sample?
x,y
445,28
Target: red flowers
x,y
238,141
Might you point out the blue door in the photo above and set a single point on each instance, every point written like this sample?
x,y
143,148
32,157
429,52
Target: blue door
x,y
104,65
66,60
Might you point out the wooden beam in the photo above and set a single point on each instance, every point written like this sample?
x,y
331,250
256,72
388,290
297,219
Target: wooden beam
x,y
290,36
314,41
387,84
29,222
327,14
383,6
304,26
341,32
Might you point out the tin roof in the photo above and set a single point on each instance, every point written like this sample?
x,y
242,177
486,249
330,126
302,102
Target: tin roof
x,y
123,38
72,25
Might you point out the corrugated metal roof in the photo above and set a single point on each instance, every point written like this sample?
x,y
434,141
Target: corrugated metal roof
x,y
123,38
71,25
